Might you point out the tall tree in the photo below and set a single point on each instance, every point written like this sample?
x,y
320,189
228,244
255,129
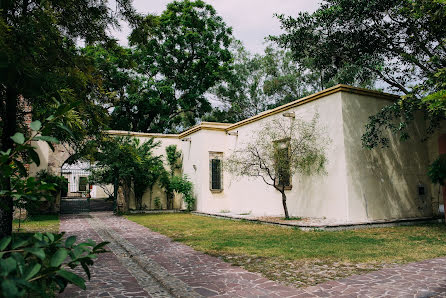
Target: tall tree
x,y
401,42
263,81
127,163
40,64
180,55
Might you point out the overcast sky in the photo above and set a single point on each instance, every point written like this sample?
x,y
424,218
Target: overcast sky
x,y
251,20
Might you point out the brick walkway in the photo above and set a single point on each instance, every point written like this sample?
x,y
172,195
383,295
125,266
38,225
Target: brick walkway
x,y
145,263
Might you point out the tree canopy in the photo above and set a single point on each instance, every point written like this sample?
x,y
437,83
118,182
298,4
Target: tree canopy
x,y
401,42
42,70
179,55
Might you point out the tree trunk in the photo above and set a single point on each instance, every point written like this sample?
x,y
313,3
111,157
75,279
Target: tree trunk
x,y
9,129
150,197
285,208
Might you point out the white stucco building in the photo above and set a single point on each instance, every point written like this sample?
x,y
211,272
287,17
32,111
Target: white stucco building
x,y
360,185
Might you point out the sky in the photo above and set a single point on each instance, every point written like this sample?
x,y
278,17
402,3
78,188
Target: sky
x,y
251,20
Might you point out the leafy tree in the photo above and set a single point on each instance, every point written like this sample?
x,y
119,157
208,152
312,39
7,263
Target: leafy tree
x,y
260,82
129,164
401,42
437,171
173,158
180,55
279,150
16,187
148,169
182,185
174,183
40,65
38,264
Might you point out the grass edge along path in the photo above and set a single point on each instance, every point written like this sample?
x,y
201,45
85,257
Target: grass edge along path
x,y
300,258
37,223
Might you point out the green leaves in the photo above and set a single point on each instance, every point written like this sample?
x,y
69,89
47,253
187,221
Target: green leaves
x,y
60,256
177,57
437,170
36,125
18,138
72,278
41,262
38,252
70,241
4,242
31,271
6,266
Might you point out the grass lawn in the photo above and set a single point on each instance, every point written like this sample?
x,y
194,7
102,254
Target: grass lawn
x,y
297,257
37,223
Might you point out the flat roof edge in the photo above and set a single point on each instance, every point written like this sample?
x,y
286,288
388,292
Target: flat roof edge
x,y
140,134
225,127
314,96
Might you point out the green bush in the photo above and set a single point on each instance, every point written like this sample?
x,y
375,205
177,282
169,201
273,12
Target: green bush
x,y
437,170
185,187
60,183
40,264
158,205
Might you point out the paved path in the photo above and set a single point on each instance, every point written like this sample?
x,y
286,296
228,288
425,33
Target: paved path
x,y
148,264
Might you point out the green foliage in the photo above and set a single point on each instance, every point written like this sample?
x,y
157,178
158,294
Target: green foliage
x,y
178,56
173,158
183,186
260,82
40,61
171,182
17,188
34,265
59,182
157,202
400,42
437,170
130,163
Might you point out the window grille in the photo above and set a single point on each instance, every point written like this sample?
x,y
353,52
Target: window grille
x,y
215,172
282,156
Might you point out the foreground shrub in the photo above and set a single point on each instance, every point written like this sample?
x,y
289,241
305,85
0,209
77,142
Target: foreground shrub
x,y
42,264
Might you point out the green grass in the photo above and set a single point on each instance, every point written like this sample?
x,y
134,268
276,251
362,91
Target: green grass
x,y
37,223
236,238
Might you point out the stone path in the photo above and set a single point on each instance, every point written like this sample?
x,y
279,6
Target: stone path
x,y
148,264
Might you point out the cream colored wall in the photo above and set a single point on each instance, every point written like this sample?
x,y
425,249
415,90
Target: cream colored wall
x,y
196,167
382,183
43,150
323,196
98,192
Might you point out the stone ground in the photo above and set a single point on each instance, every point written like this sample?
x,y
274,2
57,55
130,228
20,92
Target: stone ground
x,y
147,264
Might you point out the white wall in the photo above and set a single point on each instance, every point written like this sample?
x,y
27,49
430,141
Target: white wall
x,y
324,196
382,183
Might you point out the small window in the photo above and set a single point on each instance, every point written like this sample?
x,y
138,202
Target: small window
x,y
83,181
421,190
282,152
215,171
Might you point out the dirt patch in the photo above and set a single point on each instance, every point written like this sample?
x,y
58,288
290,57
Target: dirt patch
x,y
302,273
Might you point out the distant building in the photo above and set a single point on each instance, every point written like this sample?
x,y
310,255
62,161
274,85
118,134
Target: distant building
x,y
360,185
